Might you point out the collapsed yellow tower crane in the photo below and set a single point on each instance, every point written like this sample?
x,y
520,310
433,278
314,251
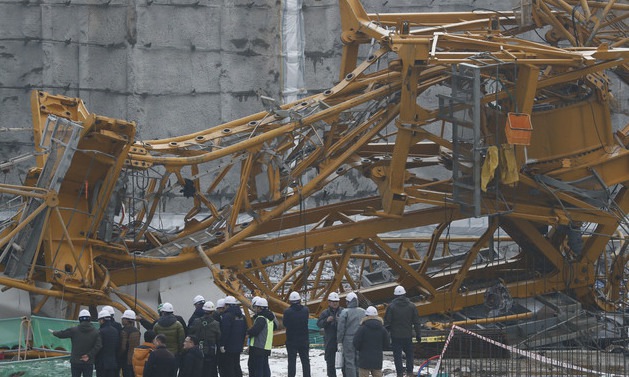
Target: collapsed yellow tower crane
x,y
454,116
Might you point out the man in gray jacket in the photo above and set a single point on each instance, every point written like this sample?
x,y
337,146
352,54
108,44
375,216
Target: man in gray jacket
x,y
86,343
349,321
400,319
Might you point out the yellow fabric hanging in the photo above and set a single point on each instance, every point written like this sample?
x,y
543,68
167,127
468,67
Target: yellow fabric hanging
x,y
508,165
489,167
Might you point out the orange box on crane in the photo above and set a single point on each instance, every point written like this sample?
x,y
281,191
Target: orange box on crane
x,y
518,128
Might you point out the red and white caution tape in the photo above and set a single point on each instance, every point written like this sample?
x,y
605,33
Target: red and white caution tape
x,y
530,355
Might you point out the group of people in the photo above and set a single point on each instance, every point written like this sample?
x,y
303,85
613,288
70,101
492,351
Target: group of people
x,y
362,336
211,342
108,349
208,344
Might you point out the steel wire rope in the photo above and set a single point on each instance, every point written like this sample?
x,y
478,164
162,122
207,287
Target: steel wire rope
x,y
302,218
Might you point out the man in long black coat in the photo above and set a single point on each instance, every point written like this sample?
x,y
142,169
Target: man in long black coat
x,y
106,363
370,340
297,342
233,332
328,321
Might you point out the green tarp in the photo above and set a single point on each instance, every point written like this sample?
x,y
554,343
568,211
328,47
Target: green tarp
x,y
315,334
10,333
11,336
42,338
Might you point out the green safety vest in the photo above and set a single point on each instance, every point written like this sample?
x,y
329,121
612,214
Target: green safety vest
x,y
264,339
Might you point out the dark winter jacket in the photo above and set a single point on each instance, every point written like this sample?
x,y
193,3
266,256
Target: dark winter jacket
x,y
198,313
129,339
150,325
191,363
370,340
168,325
161,363
85,341
296,323
208,331
401,318
217,316
106,357
116,325
329,328
233,330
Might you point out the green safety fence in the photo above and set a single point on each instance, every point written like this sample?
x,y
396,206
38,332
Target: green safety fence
x,y
47,367
315,334
42,338
10,333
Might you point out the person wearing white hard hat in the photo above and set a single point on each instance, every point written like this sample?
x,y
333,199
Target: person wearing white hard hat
x,y
401,318
220,308
260,339
150,325
129,339
370,340
328,321
172,329
349,320
106,362
297,338
233,332
86,343
253,302
198,302
208,331
114,323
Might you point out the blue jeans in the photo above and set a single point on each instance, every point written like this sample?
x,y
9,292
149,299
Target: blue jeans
x,y
400,345
303,356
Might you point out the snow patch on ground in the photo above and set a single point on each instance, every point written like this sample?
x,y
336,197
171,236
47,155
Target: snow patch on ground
x,y
279,364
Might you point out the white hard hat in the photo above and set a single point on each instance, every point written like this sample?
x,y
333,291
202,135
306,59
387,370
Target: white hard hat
x,y
262,303
84,313
103,314
294,296
109,309
351,297
208,306
167,307
198,299
399,290
129,314
220,303
371,311
253,300
231,300
333,297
